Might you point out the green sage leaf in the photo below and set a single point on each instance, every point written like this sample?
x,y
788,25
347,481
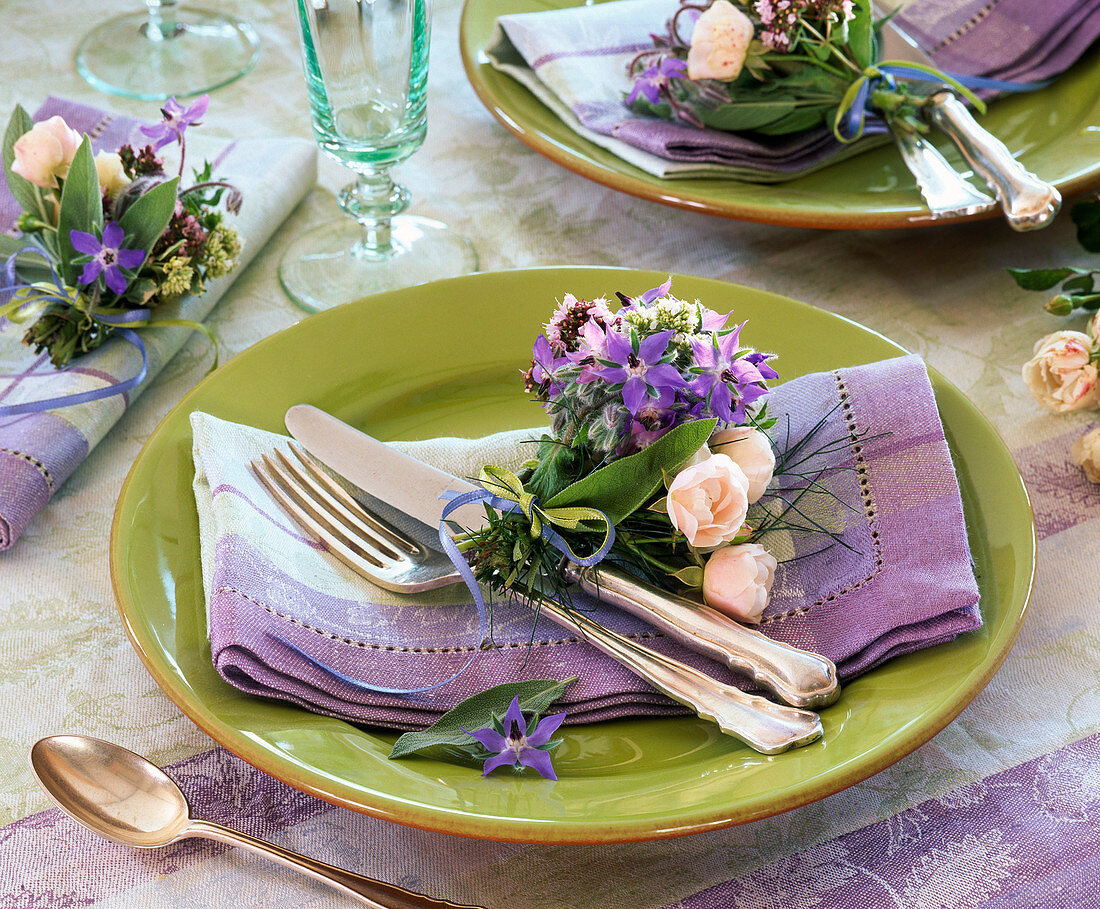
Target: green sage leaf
x,y
861,34
1041,278
622,487
477,712
81,208
147,218
29,196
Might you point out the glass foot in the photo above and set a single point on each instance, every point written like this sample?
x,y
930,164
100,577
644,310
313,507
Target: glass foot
x,y
328,266
201,51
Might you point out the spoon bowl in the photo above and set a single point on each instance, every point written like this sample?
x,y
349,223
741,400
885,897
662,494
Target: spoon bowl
x,y
111,790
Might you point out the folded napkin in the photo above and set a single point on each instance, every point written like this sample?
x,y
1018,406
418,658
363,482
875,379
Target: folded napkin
x,y
39,451
575,61
899,578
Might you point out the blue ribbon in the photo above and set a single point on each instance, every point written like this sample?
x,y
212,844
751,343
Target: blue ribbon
x,y
852,126
13,284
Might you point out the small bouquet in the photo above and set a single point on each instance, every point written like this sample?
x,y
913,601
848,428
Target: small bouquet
x,y
109,238
779,66
657,451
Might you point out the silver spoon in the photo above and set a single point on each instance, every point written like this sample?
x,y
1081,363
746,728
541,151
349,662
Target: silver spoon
x,y
127,799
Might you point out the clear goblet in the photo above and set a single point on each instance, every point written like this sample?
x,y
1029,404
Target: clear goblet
x,y
166,51
366,68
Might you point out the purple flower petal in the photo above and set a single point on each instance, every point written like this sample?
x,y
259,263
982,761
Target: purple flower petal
x,y
198,108
91,271
131,258
656,293
664,374
547,727
514,724
653,348
618,347
634,393
506,758
112,235
85,242
172,109
539,761
490,738
116,281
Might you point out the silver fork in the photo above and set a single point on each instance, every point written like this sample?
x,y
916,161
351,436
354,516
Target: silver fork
x,y
384,555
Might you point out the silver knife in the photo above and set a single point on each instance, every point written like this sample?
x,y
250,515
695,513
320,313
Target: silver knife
x,y
412,488
1028,201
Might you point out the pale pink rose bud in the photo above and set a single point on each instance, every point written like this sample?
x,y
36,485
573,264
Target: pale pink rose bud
x,y
1060,375
1086,454
1094,329
707,501
108,169
719,43
46,152
751,451
737,580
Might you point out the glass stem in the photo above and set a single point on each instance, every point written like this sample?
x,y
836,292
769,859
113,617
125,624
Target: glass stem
x,y
373,200
162,24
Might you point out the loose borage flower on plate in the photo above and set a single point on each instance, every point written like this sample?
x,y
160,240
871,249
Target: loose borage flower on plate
x,y
108,238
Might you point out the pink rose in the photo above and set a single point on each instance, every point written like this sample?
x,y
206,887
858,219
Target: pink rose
x,y
1060,375
719,43
46,152
737,580
751,450
707,501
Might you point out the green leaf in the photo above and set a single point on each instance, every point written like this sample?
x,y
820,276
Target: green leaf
x,y
29,196
690,576
1086,215
145,220
81,207
756,114
1079,284
861,34
477,712
622,487
1041,278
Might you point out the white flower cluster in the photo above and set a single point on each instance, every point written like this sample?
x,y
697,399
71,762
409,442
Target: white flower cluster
x,y
1062,376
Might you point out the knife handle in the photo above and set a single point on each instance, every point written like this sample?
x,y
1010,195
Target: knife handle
x,y
763,726
1028,202
798,677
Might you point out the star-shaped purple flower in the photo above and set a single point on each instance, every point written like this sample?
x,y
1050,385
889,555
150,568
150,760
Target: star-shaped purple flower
x,y
650,82
519,746
108,256
640,369
728,382
176,120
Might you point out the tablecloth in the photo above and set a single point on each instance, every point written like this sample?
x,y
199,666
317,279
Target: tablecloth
x,y
1001,809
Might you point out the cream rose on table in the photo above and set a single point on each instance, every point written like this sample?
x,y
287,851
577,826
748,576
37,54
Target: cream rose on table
x,y
719,43
1086,454
737,580
707,502
110,172
45,152
752,451
1061,374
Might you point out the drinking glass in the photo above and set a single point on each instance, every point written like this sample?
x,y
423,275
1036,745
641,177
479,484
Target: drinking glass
x,y
166,51
366,69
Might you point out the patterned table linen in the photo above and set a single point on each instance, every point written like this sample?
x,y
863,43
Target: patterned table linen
x,y
39,451
1001,810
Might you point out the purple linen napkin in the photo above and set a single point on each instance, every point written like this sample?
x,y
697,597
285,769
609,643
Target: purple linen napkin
x,y
38,451
575,60
901,581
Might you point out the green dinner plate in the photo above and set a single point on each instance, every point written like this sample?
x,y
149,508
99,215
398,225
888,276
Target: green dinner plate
x,y
1054,133
444,359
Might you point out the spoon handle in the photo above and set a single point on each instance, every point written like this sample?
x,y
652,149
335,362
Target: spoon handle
x,y
376,894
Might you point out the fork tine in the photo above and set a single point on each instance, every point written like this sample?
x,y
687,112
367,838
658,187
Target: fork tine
x,y
352,550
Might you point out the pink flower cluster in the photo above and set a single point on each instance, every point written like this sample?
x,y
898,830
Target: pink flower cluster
x,y
781,18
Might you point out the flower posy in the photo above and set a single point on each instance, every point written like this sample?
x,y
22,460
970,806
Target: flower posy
x,y
519,743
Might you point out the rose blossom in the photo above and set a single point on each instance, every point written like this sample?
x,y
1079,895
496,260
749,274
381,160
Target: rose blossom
x,y
108,168
719,43
751,450
1086,454
1094,329
737,580
707,501
46,152
1060,375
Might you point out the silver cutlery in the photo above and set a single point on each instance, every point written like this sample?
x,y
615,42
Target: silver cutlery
x,y
125,798
380,552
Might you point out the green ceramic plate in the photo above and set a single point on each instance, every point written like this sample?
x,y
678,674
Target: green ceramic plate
x,y
1054,132
443,359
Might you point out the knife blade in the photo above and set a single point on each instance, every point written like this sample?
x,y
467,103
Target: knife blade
x,y
1028,202
400,486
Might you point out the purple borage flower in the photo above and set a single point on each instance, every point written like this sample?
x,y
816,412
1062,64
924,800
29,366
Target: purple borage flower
x,y
108,256
729,383
650,82
519,746
639,367
176,120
